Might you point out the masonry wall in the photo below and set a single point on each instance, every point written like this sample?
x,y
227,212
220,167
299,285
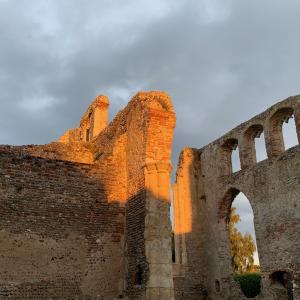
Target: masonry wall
x,y
144,129
60,237
272,188
88,217
75,151
190,221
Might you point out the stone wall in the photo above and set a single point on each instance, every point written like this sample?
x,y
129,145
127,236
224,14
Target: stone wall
x,y
60,237
204,190
145,130
88,217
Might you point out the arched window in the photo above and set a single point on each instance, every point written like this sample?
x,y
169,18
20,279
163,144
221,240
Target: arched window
x,y
276,142
230,157
245,226
260,147
235,160
289,133
254,149
236,215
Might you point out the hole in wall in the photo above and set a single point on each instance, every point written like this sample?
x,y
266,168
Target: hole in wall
x,y
173,247
138,276
233,208
245,225
289,133
260,147
229,156
282,131
217,286
19,188
87,135
254,145
235,159
282,284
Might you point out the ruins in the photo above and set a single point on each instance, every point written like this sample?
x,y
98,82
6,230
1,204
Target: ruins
x,y
88,216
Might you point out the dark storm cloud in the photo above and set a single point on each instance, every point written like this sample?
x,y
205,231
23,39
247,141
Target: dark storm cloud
x,y
221,61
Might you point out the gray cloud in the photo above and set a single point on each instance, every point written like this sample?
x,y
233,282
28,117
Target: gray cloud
x,y
221,61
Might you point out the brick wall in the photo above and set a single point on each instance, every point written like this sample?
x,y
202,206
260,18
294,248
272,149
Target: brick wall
x,y
60,237
86,219
203,195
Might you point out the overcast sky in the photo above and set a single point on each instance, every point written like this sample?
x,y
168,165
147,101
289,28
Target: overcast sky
x,y
222,61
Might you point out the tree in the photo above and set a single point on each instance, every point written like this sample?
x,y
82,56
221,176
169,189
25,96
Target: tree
x,y
242,247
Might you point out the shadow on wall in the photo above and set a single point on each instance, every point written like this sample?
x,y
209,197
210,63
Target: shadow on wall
x,y
203,195
148,244
62,238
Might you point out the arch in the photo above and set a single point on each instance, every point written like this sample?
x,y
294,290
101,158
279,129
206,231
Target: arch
x,y
289,133
227,148
282,284
225,205
227,227
244,209
275,142
250,149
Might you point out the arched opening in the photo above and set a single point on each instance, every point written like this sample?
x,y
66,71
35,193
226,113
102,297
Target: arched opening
x,y
230,157
289,133
245,226
236,213
254,149
276,143
282,285
235,160
260,146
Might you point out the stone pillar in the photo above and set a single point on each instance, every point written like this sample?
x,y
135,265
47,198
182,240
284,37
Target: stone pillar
x,y
158,231
274,139
247,152
247,145
100,119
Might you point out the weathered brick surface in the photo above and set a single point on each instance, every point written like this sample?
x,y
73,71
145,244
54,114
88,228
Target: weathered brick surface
x,y
82,218
60,238
88,217
75,151
204,191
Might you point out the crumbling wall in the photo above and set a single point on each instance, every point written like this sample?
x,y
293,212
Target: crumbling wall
x,y
190,248
75,151
90,213
273,189
92,123
60,237
144,129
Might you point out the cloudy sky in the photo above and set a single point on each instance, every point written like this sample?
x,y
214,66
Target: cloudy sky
x,y
222,61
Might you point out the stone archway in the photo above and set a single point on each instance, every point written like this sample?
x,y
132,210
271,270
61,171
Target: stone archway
x,y
281,285
230,198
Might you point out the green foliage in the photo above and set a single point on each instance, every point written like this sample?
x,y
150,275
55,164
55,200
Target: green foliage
x,y
242,247
249,283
